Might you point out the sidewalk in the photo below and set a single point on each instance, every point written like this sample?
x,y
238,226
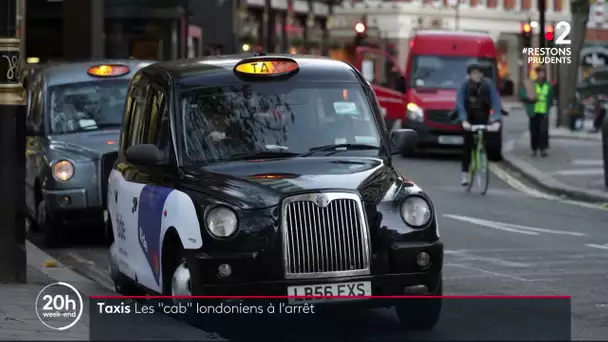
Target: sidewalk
x,y
19,322
574,167
511,103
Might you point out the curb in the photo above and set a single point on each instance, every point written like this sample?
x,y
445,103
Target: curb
x,y
562,136
37,258
549,184
574,137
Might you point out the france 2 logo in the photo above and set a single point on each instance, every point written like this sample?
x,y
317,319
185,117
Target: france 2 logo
x,y
562,30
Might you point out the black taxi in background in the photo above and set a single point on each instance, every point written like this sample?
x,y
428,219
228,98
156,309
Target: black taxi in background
x,y
74,113
268,175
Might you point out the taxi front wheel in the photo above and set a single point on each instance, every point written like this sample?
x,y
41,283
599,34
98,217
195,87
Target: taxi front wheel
x,y
420,314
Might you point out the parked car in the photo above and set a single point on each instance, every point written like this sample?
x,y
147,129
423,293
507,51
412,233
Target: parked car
x,y
74,113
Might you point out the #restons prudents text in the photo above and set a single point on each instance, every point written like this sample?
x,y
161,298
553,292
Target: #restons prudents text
x,y
129,308
548,55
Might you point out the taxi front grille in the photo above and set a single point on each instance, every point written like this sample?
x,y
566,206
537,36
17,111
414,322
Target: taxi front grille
x,y
325,238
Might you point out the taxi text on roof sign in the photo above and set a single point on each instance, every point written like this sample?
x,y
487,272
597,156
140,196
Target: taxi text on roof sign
x,y
108,70
270,67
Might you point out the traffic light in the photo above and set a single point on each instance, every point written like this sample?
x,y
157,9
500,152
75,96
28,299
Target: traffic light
x,y
526,34
550,36
360,33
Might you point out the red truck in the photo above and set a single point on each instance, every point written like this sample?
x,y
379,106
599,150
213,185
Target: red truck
x,y
424,95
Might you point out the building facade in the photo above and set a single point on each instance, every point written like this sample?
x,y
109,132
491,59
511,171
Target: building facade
x,y
397,20
64,30
234,26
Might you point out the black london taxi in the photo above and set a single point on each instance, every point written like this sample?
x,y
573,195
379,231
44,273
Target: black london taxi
x,y
268,175
74,113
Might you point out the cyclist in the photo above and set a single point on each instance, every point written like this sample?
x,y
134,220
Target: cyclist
x,y
477,103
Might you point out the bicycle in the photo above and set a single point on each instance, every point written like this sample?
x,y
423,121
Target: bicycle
x,y
479,171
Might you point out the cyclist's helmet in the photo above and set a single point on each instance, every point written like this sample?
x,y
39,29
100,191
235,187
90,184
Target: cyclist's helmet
x,y
474,66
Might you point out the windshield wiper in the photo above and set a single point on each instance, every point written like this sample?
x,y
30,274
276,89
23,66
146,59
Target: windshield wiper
x,y
263,155
339,147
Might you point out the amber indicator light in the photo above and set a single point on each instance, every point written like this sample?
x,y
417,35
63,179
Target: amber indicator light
x,y
108,70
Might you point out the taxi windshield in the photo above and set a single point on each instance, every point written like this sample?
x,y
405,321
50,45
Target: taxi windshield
x,y
221,123
87,106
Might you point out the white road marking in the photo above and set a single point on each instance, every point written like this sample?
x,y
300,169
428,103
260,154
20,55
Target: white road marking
x,y
579,172
496,274
520,186
517,184
514,228
544,230
592,245
495,261
502,192
493,225
588,162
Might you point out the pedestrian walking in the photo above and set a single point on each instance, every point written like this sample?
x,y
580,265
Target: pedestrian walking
x,y
538,99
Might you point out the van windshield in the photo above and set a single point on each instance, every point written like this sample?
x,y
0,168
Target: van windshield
x,y
446,72
221,123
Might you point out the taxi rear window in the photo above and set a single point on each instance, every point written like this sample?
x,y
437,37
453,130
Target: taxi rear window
x,y
219,122
87,106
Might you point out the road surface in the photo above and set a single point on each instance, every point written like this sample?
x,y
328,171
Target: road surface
x,y
514,241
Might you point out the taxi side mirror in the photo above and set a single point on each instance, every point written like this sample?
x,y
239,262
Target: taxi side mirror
x,y
145,155
405,140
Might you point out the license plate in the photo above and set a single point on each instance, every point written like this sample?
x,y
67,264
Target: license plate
x,y
360,288
451,140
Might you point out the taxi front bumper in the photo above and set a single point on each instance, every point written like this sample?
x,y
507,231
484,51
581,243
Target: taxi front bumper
x,y
250,275
66,200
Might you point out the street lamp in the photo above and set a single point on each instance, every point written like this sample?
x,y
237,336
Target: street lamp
x,y
12,149
456,5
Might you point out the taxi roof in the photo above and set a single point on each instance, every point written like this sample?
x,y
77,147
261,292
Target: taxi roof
x,y
219,69
76,72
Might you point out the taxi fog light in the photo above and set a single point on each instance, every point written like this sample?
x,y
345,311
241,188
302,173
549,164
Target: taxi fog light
x,y
65,200
224,270
63,170
423,259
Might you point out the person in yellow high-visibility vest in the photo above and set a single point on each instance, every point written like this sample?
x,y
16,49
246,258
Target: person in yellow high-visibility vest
x,y
538,107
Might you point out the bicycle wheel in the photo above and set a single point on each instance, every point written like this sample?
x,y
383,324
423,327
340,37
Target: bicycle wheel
x,y
482,176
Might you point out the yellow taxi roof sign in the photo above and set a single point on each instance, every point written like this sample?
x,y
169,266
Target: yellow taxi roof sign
x,y
267,67
108,70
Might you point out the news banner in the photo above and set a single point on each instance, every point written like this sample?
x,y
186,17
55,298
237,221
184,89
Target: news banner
x,y
60,307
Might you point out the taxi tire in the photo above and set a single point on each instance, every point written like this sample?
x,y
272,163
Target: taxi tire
x,y
175,249
125,286
420,314
49,226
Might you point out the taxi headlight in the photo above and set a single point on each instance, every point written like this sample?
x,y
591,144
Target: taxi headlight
x,y
414,112
63,170
221,222
416,211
